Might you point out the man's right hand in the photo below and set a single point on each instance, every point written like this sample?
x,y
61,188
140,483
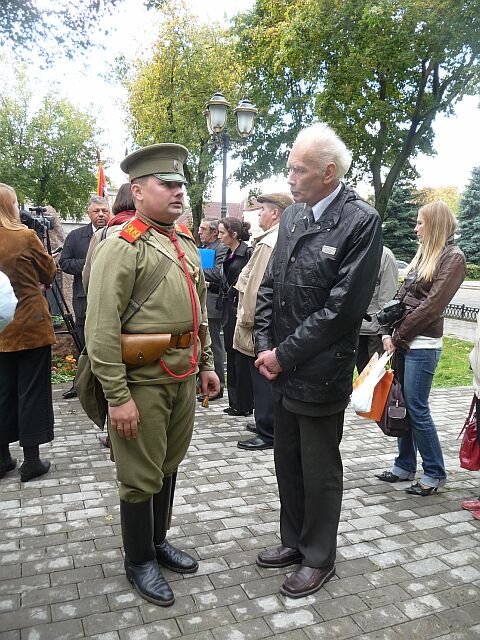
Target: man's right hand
x,y
125,419
388,344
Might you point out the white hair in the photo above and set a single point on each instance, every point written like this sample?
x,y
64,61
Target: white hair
x,y
327,147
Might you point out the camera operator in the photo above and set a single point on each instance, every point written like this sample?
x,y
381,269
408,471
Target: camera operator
x,y
72,260
26,407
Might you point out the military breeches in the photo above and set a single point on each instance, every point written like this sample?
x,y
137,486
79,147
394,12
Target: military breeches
x,y
167,413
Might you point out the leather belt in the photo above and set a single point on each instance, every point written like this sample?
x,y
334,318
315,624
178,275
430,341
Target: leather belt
x,y
182,341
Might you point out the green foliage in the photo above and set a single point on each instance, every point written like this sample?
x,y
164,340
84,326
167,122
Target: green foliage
x,y
470,219
473,271
167,94
47,155
284,99
400,220
23,24
453,369
378,72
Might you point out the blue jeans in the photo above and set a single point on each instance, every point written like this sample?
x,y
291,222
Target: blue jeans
x,y
420,365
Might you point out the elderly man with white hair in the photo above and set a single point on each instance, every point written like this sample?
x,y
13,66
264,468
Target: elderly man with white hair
x,y
310,306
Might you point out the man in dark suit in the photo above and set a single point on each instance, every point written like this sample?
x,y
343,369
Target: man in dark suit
x,y
208,232
72,260
310,305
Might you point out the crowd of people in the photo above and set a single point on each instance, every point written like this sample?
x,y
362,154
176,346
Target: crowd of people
x,y
294,310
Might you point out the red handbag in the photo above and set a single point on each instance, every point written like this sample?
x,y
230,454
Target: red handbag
x,y
470,448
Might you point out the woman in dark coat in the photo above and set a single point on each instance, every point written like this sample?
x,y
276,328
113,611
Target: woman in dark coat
x,y
26,408
232,233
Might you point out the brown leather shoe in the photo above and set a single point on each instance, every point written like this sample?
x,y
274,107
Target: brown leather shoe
x,y
306,580
279,557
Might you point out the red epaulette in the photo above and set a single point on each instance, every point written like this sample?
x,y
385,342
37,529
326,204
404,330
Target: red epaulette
x,y
182,228
133,230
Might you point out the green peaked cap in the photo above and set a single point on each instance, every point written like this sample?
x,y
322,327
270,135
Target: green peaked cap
x,y
164,161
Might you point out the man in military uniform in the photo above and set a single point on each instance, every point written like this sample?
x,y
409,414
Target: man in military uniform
x,y
146,351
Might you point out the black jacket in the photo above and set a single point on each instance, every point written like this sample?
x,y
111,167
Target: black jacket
x,y
313,297
72,260
212,276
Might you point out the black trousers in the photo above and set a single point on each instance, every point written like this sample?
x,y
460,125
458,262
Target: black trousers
x,y
263,401
26,409
310,482
214,328
239,381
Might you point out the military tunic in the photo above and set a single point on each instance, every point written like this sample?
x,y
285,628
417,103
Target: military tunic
x,y
166,405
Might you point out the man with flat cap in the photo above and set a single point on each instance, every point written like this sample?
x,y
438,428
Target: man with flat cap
x,y
249,280
147,338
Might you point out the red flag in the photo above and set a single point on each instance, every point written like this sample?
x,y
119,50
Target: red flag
x,y
102,189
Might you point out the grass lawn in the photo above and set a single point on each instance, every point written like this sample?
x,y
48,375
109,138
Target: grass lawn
x,y
453,370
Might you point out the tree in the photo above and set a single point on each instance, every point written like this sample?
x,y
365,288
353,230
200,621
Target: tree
x,y
470,219
400,219
285,101
449,195
167,94
381,71
48,156
23,24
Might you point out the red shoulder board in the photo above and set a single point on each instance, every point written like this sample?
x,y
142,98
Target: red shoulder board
x,y
133,230
182,228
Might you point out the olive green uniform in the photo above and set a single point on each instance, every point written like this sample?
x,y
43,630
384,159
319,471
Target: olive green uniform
x,y
166,405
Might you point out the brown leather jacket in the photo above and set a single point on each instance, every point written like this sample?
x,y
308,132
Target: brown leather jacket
x,y
426,301
25,261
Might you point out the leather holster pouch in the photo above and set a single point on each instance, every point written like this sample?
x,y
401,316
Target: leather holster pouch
x,y
139,349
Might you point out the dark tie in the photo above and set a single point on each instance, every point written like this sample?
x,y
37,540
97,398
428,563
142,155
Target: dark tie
x,y
308,217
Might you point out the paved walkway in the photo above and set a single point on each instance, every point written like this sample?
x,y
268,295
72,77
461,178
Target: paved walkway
x,y
408,567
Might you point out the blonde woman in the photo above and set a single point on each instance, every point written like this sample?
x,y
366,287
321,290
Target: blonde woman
x,y
434,275
26,411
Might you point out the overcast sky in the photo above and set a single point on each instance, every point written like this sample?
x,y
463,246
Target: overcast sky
x,y
83,81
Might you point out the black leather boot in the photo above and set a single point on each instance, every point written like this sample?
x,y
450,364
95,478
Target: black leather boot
x,y
141,566
168,555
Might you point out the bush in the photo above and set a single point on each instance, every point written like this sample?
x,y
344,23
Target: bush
x,y
473,271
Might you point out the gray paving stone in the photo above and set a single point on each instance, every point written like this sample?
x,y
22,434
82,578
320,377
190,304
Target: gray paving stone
x,y
339,629
50,596
205,620
29,616
102,622
79,608
284,621
340,607
414,562
257,607
250,630
161,630
66,630
424,628
374,619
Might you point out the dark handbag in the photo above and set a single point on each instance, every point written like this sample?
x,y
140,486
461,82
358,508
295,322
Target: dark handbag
x,y
470,448
394,421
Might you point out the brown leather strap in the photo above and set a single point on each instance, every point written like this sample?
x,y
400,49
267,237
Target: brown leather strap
x,y
182,341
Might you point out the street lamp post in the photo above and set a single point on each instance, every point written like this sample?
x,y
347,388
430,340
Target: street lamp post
x,y
216,112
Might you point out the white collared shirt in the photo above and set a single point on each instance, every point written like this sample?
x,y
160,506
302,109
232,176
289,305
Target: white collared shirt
x,y
320,207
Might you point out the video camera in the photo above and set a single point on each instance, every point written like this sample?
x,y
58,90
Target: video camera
x,y
36,220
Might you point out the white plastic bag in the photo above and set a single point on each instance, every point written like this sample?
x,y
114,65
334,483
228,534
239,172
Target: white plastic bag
x,y
364,385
